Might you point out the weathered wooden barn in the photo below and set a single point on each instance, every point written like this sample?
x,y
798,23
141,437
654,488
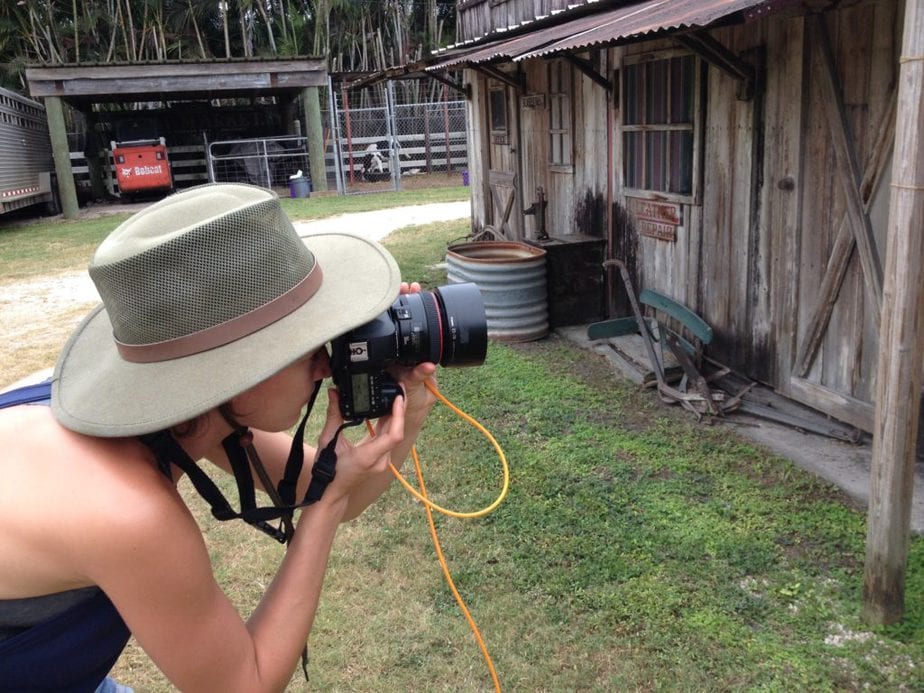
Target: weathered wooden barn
x,y
747,158
736,155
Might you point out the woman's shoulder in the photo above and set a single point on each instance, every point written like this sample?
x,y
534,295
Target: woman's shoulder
x,y
98,475
85,502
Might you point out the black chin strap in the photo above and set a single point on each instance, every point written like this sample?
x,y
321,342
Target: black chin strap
x,y
243,457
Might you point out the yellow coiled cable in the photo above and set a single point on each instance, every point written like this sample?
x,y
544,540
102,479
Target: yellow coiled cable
x,y
428,505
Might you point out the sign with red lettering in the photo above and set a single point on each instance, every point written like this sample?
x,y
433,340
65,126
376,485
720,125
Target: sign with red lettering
x,y
656,219
654,229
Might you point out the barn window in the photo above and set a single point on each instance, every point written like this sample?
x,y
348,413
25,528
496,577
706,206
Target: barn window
x,y
560,118
497,96
659,107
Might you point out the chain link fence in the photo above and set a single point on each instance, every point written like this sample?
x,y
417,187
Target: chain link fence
x,y
372,142
379,144
266,161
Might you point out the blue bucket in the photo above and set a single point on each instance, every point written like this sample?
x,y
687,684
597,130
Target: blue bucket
x,y
298,187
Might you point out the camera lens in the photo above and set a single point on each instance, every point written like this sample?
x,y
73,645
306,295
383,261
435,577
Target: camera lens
x,y
463,323
445,326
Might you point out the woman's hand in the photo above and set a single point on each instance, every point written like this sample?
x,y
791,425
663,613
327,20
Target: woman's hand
x,y
358,463
413,379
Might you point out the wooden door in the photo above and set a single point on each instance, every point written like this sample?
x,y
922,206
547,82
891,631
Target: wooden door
x,y
847,142
504,211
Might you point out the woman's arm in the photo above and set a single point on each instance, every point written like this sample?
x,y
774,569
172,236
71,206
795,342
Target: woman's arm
x,y
154,566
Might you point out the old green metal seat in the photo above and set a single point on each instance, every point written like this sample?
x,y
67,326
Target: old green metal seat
x,y
662,307
677,330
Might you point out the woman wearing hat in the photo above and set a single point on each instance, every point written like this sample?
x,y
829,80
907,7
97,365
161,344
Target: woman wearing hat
x,y
209,343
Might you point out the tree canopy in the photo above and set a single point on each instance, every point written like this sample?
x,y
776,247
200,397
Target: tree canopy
x,y
354,35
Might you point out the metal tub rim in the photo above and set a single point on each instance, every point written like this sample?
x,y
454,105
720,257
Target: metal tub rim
x,y
515,251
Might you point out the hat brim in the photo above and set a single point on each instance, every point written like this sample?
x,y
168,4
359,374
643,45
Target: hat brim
x,y
96,392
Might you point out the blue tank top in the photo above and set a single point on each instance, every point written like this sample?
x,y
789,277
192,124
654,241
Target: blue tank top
x,y
74,650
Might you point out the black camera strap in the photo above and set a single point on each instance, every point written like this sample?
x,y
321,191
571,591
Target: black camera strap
x,y
243,457
322,472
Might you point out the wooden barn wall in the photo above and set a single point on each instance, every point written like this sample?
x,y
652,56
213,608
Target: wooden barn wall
x,y
576,195
588,204
477,136
751,255
477,18
491,156
731,279
753,249
670,267
534,150
780,200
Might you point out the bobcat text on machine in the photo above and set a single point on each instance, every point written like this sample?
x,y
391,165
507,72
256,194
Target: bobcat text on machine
x,y
139,157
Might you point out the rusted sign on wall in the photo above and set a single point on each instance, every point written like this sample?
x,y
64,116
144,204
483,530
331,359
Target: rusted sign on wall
x,y
656,219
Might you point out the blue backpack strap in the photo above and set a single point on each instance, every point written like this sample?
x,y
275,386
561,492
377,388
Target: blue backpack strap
x,y
39,393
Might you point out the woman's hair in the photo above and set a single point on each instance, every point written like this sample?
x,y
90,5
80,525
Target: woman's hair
x,y
188,428
194,425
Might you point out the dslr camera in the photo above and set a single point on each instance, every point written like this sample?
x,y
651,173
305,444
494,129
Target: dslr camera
x,y
446,326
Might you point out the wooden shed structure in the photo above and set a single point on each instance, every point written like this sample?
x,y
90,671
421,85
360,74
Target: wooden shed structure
x,y
738,156
281,84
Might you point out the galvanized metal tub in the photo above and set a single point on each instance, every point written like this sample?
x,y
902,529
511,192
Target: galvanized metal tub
x,y
512,280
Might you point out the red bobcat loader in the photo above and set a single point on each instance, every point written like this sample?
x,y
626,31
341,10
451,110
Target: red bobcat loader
x,y
140,161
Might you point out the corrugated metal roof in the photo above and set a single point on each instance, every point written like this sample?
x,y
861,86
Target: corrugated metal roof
x,y
496,50
607,27
639,19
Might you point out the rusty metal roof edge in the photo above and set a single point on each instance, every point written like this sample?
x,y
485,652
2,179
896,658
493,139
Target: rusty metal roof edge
x,y
602,37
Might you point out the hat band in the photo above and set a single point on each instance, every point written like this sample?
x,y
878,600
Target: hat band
x,y
228,331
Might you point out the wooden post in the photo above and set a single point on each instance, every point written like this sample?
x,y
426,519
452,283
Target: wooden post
x,y
901,345
315,134
348,126
62,156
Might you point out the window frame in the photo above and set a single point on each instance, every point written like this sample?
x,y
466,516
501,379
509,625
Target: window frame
x,y
499,134
565,73
694,127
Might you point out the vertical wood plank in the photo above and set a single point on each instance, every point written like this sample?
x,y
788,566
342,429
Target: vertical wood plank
x,y
901,346
781,208
477,138
847,167
57,129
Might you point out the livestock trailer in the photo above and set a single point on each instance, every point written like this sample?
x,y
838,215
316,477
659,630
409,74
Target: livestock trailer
x,y
26,164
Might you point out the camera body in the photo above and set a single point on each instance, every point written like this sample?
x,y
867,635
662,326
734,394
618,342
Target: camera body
x,y
446,326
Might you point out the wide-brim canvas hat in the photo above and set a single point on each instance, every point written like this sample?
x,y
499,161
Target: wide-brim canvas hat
x,y
206,294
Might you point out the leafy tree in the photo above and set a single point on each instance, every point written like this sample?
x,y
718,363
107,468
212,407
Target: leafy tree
x,y
354,35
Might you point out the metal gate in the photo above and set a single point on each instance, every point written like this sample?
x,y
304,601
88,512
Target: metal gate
x,y
267,161
380,144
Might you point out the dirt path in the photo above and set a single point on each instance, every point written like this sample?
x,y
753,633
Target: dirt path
x,y
37,315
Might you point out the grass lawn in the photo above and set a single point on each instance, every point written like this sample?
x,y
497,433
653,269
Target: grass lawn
x,y
635,551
